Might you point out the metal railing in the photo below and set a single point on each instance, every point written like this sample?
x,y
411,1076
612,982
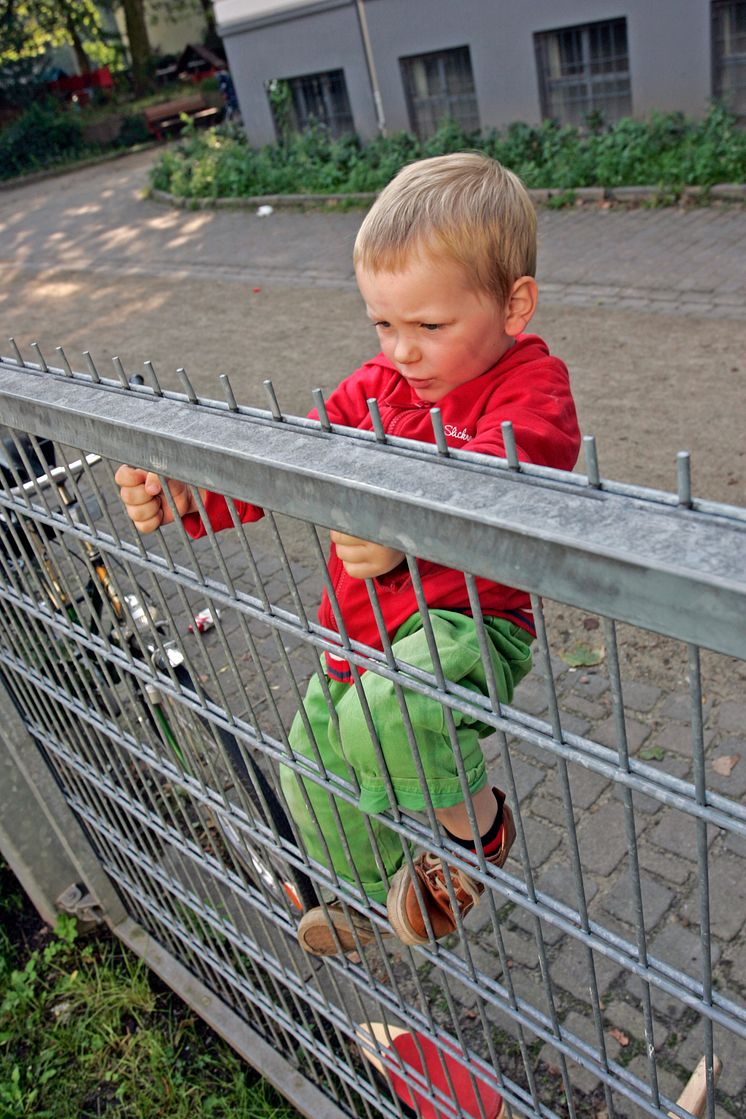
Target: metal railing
x,y
603,959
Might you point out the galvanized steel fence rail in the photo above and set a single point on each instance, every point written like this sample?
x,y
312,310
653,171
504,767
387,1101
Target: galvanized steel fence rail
x,y
605,957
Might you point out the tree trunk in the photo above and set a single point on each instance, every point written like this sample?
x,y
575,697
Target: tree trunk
x,y
137,34
209,14
84,65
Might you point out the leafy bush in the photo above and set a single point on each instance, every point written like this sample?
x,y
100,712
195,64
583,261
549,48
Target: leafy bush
x,y
668,150
41,136
134,130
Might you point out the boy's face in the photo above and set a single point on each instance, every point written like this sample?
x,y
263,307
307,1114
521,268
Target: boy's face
x,y
437,331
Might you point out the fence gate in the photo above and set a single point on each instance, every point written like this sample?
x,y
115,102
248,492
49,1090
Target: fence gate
x,y
143,756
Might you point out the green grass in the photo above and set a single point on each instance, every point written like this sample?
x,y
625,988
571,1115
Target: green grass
x,y
667,151
86,1030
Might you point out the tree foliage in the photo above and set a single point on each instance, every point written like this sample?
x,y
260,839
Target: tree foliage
x,y
28,28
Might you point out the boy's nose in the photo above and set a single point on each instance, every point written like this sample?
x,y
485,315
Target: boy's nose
x,y
405,351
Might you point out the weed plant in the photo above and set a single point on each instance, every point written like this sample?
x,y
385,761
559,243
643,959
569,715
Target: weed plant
x,y
668,151
86,1031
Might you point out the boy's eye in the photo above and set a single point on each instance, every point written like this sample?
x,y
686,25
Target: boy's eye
x,y
381,324
430,325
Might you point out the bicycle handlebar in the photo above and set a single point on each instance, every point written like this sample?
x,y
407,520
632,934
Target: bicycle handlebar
x,y
56,476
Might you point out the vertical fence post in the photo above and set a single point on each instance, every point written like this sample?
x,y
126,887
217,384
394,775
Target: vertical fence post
x,y
40,838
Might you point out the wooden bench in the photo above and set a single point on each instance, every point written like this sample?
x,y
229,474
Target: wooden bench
x,y
166,117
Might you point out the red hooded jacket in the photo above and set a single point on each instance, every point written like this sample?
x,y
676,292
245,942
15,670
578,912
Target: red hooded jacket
x,y
527,386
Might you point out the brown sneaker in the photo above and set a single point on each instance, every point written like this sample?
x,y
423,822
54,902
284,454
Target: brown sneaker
x,y
402,903
315,933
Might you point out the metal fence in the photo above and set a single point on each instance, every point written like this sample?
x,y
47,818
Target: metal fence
x,y
605,958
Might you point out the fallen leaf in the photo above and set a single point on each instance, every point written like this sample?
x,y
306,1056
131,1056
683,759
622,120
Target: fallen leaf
x,y
653,754
580,655
619,1036
726,764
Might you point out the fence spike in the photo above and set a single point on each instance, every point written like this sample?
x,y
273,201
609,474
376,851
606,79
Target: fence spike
x,y
228,391
684,478
375,415
274,405
116,362
92,367
65,363
318,399
436,419
183,376
153,378
17,352
591,461
511,451
40,355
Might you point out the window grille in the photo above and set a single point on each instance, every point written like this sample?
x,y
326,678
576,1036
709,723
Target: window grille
x,y
321,99
440,86
729,54
584,69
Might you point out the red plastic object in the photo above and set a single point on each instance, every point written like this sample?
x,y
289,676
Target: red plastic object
x,y
202,621
81,84
488,1104
101,78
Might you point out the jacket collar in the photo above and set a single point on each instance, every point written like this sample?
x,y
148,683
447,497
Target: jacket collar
x,y
400,395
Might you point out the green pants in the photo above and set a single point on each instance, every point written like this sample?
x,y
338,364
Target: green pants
x,y
341,831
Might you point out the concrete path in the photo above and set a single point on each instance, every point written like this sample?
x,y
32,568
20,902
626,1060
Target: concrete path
x,y
647,307
94,220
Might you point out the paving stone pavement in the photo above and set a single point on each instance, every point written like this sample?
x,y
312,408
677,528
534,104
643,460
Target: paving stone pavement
x,y
653,261
676,260
659,732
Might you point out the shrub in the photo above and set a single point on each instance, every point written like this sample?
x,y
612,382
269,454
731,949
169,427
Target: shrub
x,y
43,135
668,151
134,130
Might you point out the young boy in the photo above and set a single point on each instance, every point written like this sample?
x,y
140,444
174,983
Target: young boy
x,y
445,263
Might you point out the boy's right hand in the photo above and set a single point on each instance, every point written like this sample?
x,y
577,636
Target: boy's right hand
x,y
362,559
143,498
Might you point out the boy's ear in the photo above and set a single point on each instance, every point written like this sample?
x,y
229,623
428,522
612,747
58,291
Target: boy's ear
x,y
522,302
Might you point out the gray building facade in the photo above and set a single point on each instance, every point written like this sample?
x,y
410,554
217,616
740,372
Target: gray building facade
x,y
373,65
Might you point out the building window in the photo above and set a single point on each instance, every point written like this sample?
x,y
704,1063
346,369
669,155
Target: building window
x,y
584,70
311,98
729,54
438,87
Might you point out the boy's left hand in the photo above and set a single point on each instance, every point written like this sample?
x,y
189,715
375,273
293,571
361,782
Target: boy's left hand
x,y
362,559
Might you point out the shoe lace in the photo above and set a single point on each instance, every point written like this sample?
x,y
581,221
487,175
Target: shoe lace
x,y
432,869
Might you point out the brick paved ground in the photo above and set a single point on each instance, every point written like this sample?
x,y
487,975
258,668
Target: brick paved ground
x,y
682,261
659,731
89,231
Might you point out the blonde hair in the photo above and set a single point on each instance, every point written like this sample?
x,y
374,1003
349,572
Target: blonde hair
x,y
466,206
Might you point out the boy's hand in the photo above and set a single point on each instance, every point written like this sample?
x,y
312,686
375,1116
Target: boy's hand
x,y
362,559
143,498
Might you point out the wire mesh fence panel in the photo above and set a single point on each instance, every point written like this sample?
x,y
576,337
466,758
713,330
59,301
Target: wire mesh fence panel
x,y
260,768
